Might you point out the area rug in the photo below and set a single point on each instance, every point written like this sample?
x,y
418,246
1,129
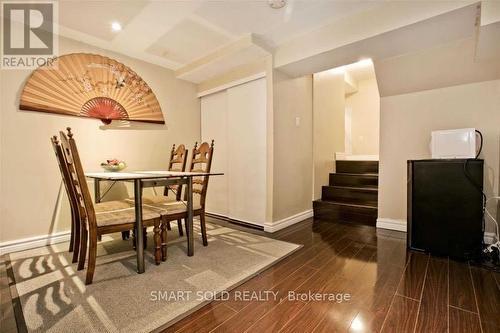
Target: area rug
x,y
51,296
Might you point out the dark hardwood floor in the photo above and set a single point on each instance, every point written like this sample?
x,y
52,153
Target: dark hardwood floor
x,y
390,289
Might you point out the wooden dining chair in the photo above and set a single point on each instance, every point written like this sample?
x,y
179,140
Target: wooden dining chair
x,y
178,161
75,234
95,223
201,161
74,243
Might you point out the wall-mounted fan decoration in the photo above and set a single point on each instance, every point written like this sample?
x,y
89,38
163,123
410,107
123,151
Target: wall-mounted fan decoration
x,y
90,85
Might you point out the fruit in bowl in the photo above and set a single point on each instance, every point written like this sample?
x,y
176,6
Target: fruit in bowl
x,y
113,165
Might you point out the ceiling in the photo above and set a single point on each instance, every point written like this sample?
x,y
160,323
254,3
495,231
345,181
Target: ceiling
x,y
201,39
361,70
174,34
438,30
354,73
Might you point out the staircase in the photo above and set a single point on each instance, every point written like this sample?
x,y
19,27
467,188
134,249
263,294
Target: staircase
x,y
351,195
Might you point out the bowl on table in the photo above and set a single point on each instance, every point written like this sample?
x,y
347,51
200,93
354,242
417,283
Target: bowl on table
x,y
113,165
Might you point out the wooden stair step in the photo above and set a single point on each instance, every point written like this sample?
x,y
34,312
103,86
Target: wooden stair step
x,y
356,167
354,195
354,180
339,211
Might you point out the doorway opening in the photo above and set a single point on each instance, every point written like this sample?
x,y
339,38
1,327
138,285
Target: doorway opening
x,y
346,118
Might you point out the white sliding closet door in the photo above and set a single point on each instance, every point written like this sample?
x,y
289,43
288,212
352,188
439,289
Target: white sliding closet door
x,y
214,127
236,119
247,151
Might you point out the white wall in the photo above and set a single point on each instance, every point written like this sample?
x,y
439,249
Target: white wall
x,y
328,125
292,145
30,181
365,118
405,126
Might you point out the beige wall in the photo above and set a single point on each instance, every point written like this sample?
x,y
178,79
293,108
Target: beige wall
x,y
30,181
407,121
292,145
328,124
365,106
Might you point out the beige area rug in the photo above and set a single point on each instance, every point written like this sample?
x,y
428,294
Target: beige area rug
x,y
52,295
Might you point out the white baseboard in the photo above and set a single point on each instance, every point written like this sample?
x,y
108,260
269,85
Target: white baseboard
x,y
222,216
286,222
64,236
391,224
400,225
33,242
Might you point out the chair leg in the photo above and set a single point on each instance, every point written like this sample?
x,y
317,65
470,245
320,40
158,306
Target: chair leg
x,y
168,226
76,242
72,235
157,238
125,235
92,258
164,227
134,243
179,226
83,248
203,229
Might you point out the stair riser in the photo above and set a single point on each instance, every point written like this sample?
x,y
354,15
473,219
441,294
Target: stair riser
x,y
360,197
338,179
356,166
354,215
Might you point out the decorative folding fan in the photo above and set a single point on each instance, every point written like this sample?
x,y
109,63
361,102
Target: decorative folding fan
x,y
90,85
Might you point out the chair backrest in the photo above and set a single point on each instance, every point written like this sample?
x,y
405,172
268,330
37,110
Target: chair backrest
x,y
79,181
201,161
63,168
178,160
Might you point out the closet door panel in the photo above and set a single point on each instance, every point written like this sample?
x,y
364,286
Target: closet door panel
x,y
246,149
214,127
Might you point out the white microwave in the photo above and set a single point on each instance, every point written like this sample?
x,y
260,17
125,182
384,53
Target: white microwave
x,y
454,143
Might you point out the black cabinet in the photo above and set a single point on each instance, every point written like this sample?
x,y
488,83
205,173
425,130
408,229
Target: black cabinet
x,y
445,207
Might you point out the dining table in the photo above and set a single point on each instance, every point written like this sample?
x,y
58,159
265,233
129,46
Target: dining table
x,y
145,179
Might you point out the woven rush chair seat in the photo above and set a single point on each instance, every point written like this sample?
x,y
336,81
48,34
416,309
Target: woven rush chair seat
x,y
112,205
154,199
157,207
123,215
172,207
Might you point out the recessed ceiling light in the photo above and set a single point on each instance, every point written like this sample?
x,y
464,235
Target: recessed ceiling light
x,y
276,4
116,26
